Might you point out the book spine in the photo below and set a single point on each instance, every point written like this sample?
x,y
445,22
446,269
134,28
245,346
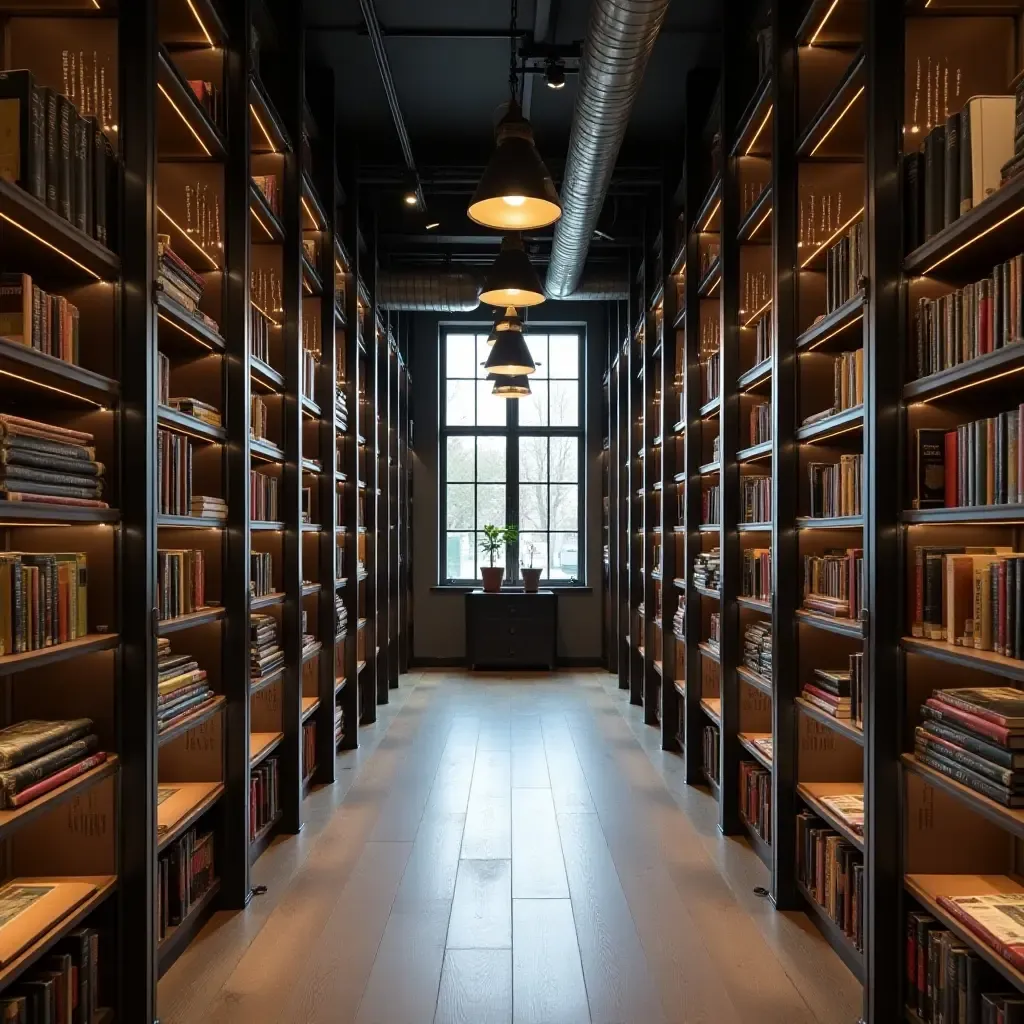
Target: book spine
x,y
964,777
966,164
1009,953
52,782
65,173
951,205
954,716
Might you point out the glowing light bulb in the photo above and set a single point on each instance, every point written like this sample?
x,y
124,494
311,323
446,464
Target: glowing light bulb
x,y
514,200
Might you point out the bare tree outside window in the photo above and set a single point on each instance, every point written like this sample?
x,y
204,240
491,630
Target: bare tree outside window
x,y
512,461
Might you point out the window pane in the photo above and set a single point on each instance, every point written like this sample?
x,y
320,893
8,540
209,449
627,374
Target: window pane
x,y
564,506
459,464
483,559
565,556
483,350
565,454
533,459
533,411
459,404
538,345
490,505
565,403
533,506
460,562
490,459
564,353
460,506
539,542
460,356
491,411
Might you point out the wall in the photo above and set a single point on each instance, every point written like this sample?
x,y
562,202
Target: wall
x,y
438,616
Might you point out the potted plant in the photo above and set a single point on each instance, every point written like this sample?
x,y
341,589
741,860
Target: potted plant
x,y
491,543
531,576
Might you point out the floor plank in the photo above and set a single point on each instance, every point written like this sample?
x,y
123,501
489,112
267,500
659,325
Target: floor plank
x,y
476,987
488,834
482,909
537,868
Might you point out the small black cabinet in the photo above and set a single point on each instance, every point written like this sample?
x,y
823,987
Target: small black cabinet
x,y
511,629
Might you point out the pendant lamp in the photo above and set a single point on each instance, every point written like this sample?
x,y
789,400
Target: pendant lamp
x,y
511,279
510,355
507,321
516,192
511,387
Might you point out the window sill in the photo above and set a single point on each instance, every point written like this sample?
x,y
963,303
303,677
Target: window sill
x,y
562,589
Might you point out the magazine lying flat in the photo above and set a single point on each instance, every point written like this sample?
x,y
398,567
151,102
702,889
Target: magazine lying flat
x,y
31,906
849,807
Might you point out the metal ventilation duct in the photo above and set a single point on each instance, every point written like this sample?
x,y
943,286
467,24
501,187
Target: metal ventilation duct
x,y
458,291
620,37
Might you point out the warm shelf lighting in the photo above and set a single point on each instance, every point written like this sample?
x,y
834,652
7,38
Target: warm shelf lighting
x,y
266,316
50,387
259,221
754,317
188,334
972,384
185,120
195,14
757,134
971,241
835,433
188,237
711,215
50,245
760,222
828,14
835,123
837,331
831,238
263,128
309,213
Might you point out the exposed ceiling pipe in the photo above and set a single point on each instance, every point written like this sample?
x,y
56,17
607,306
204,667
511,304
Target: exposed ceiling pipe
x,y
458,291
620,37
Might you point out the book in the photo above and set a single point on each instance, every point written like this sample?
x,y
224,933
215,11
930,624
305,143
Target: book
x,y
32,738
934,180
972,780
953,752
51,782
951,202
31,906
22,138
931,468
993,918
15,780
1002,705
987,135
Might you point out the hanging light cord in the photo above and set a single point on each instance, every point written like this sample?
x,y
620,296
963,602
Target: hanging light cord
x,y
513,73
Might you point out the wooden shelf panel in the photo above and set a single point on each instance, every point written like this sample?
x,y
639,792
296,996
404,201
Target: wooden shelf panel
x,y
834,523
811,794
983,661
191,24
747,742
266,600
755,604
88,644
31,373
179,936
709,652
833,331
846,422
840,725
755,680
266,225
179,812
757,378
199,618
753,134
267,132
179,728
837,131
980,514
844,627
186,131
712,707
755,452
309,706
996,365
182,423
180,331
261,745
750,229
32,513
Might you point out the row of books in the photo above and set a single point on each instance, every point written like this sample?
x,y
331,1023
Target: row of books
x,y
832,873
182,687
258,419
58,156
834,583
763,340
64,989
949,984
339,723
264,496
210,97
679,619
711,506
707,568
35,318
756,573
847,380
715,630
43,600
205,506
979,463
757,648
308,363
710,752
260,326
267,184
839,692
340,617
970,597
970,321
308,748
341,406
755,499
182,576
266,655
958,166
760,422
844,268
174,468
264,797
37,756
339,558
836,489
261,573
756,798
40,462
975,735
178,281
185,873
711,377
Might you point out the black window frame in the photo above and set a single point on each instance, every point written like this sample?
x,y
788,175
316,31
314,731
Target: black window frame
x,y
512,431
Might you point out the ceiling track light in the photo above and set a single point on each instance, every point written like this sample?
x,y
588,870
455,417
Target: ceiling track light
x,y
511,279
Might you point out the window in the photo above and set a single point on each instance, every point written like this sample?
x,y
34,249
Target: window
x,y
512,460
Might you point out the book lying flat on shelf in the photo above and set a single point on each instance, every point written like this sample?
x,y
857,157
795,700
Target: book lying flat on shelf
x,y
848,808
995,918
29,907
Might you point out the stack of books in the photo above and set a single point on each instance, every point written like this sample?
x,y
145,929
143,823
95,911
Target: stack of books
x,y
179,282
829,692
38,756
202,411
182,688
64,988
836,490
757,648
341,406
756,579
43,463
339,724
174,466
340,618
185,873
832,873
182,575
711,506
308,749
679,620
946,981
308,364
975,736
834,583
261,573
707,567
756,499
714,640
756,798
263,496
848,808
206,507
308,640
760,422
844,267
265,655
264,805
339,560
43,600
267,184
970,321
29,316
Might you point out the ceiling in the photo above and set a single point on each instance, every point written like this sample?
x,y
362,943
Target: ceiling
x,y
449,61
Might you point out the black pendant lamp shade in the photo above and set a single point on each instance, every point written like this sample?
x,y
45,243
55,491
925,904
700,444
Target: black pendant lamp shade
x,y
507,321
511,280
516,192
511,387
510,355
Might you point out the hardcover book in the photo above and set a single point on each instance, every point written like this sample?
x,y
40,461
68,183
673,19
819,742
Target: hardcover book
x,y
31,906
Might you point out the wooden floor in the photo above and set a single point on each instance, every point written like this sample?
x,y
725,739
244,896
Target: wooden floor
x,y
509,849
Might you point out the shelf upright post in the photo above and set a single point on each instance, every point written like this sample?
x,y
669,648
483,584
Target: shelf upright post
x,y
395,517
649,501
612,458
884,472
368,427
136,694
623,463
700,96
292,66
785,458
637,534
320,96
235,889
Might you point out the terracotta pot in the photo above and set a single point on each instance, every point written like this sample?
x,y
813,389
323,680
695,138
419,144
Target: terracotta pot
x,y
492,578
531,580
